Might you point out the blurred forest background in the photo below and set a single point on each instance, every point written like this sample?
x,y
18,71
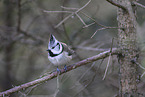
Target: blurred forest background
x,y
24,34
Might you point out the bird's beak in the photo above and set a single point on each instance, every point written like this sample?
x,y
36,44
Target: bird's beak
x,y
47,50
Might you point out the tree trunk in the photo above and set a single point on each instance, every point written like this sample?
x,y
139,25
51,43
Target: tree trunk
x,y
129,49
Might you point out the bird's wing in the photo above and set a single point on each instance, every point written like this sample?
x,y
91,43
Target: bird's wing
x,y
67,49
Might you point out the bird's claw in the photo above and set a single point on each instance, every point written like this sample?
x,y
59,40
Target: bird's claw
x,y
58,70
65,68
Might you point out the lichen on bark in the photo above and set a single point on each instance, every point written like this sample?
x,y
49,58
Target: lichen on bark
x,y
129,49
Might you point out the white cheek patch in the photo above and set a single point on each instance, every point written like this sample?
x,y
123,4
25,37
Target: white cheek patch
x,y
57,49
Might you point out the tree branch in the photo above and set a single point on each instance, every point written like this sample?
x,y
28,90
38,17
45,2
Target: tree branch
x,y
54,74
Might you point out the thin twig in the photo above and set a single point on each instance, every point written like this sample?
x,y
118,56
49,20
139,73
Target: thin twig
x,y
92,19
57,88
54,74
134,61
86,16
103,26
104,29
57,11
107,66
142,75
69,8
29,91
141,66
66,18
83,6
138,4
81,19
108,60
89,25
97,31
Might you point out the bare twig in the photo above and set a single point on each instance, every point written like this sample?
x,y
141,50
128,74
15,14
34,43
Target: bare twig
x,y
57,89
142,75
104,29
89,25
107,66
83,6
134,61
138,4
72,13
141,66
97,31
81,19
69,8
92,19
57,11
28,91
108,60
103,26
54,74
66,18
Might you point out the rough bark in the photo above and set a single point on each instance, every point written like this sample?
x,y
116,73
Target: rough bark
x,y
129,49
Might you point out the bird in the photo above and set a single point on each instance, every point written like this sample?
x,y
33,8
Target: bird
x,y
58,53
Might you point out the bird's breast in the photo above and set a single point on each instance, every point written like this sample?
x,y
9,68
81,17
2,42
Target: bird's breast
x,y
61,59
